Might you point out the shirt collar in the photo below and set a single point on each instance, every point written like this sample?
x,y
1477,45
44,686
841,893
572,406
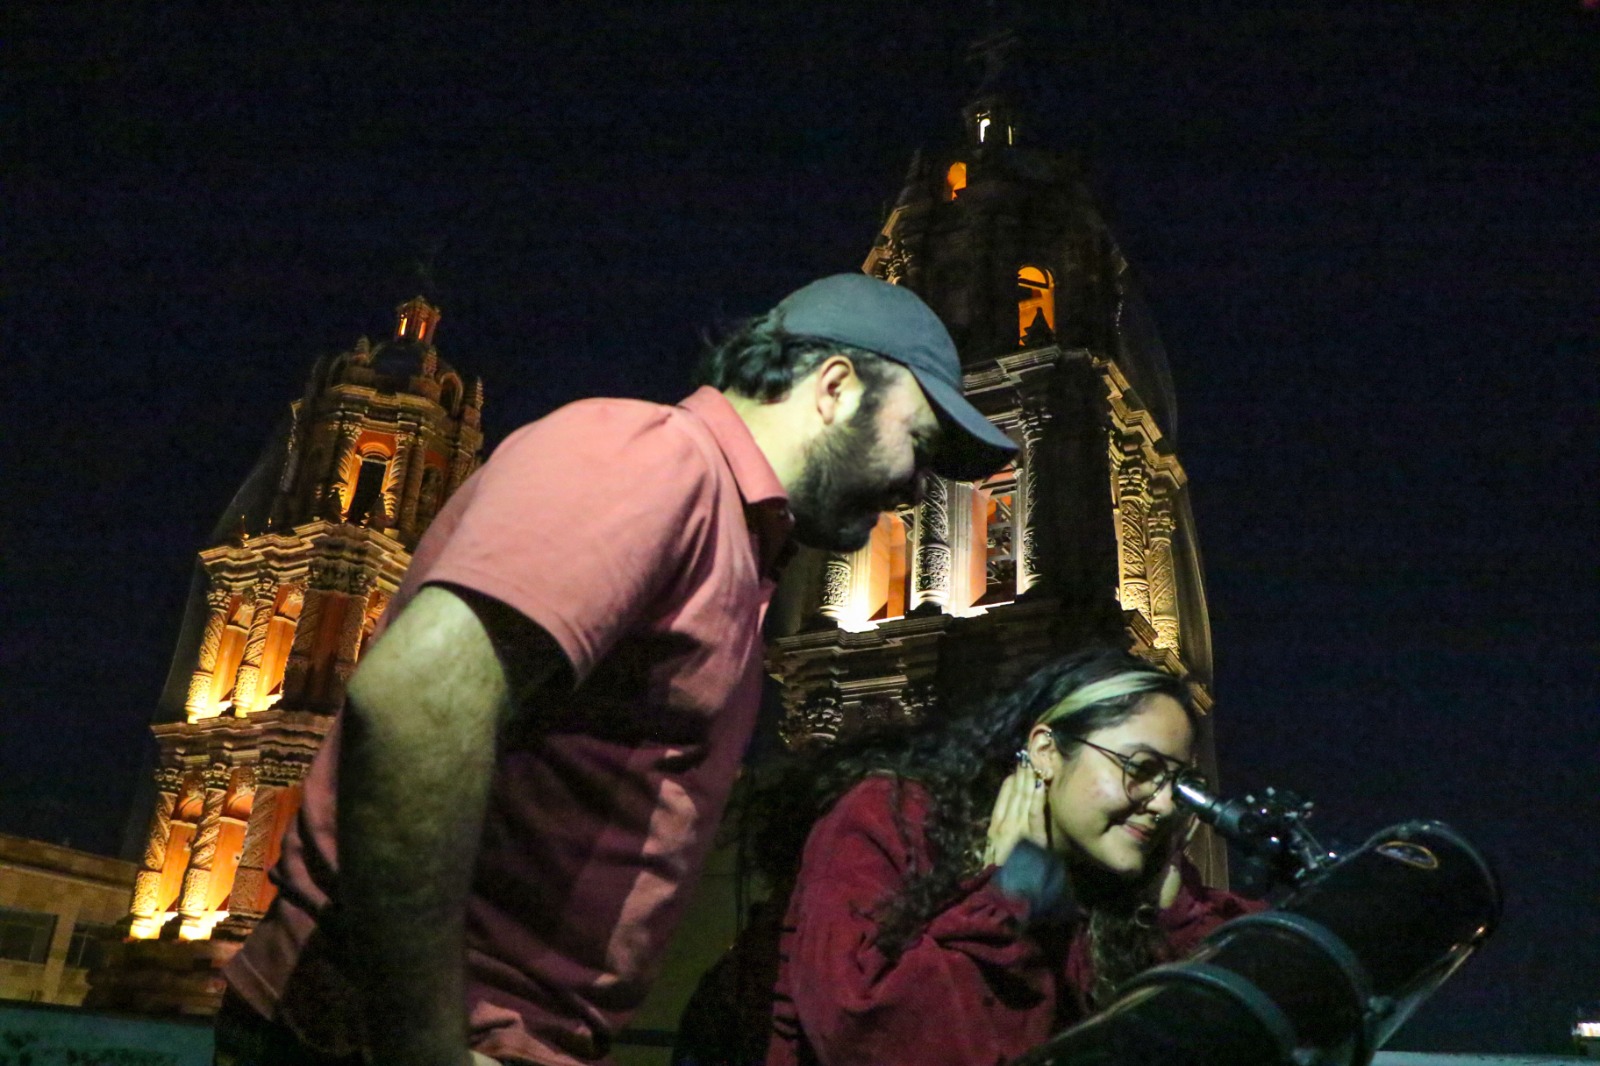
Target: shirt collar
x,y
758,483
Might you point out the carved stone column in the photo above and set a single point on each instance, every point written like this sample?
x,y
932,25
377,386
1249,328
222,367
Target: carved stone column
x,y
1162,574
349,433
198,703
391,495
836,585
411,492
930,566
349,646
377,603
460,466
246,696
1133,502
297,668
1028,511
146,911
203,852
969,548
271,777
428,499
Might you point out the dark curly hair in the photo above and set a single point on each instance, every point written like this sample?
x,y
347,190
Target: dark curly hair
x,y
761,361
960,762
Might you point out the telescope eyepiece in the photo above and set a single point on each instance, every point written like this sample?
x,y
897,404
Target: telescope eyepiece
x,y
1238,820
1191,791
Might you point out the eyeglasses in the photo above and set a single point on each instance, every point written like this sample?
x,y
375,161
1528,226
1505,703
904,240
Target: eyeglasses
x,y
1145,773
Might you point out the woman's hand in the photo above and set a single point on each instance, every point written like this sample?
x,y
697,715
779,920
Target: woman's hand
x,y
1018,815
1172,878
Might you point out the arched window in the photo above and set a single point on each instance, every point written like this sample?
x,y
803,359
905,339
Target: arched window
x,y
990,128
994,575
450,394
955,179
369,486
230,649
280,640
1036,300
889,583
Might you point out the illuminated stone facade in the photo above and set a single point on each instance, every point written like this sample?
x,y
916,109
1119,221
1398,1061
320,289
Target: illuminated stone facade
x,y
1087,536
321,537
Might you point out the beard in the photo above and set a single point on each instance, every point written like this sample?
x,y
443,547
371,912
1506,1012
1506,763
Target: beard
x,y
842,487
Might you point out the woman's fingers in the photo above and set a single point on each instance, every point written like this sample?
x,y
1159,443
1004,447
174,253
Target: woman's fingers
x,y
1009,820
1021,796
1171,881
1021,790
1018,785
993,852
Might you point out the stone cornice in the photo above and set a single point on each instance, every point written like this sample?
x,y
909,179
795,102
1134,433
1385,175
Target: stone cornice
x,y
288,557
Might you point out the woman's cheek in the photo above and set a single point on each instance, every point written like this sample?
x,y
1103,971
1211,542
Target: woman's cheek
x,y
1109,802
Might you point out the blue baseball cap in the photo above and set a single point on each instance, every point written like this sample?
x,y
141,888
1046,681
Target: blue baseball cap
x,y
892,321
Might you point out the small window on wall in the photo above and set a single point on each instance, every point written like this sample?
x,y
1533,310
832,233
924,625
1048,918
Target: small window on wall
x,y
25,935
995,511
1036,300
88,945
955,179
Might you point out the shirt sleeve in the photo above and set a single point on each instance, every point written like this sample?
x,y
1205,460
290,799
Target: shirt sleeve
x,y
583,520
953,996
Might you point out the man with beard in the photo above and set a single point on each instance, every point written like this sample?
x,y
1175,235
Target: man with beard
x,y
533,758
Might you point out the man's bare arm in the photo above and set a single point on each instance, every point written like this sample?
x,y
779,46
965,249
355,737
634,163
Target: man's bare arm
x,y
417,754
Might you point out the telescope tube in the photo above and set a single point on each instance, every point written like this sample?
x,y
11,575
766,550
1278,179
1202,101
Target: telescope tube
x,y
1323,980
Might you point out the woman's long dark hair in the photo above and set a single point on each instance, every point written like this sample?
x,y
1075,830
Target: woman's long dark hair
x,y
960,762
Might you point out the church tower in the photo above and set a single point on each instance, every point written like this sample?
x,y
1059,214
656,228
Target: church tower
x,y
301,567
1088,536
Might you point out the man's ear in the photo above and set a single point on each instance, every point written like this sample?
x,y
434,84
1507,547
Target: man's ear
x,y
1044,753
838,389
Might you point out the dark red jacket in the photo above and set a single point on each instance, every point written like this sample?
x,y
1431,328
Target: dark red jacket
x,y
973,989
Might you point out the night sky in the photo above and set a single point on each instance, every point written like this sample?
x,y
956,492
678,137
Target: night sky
x,y
1367,232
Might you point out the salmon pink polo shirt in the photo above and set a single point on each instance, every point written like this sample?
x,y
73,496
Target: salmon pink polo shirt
x,y
645,539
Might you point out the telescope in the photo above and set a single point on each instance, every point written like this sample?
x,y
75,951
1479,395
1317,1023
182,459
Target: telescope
x,y
1271,831
1323,979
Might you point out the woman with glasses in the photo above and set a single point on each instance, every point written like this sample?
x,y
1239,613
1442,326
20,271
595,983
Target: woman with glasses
x,y
966,890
